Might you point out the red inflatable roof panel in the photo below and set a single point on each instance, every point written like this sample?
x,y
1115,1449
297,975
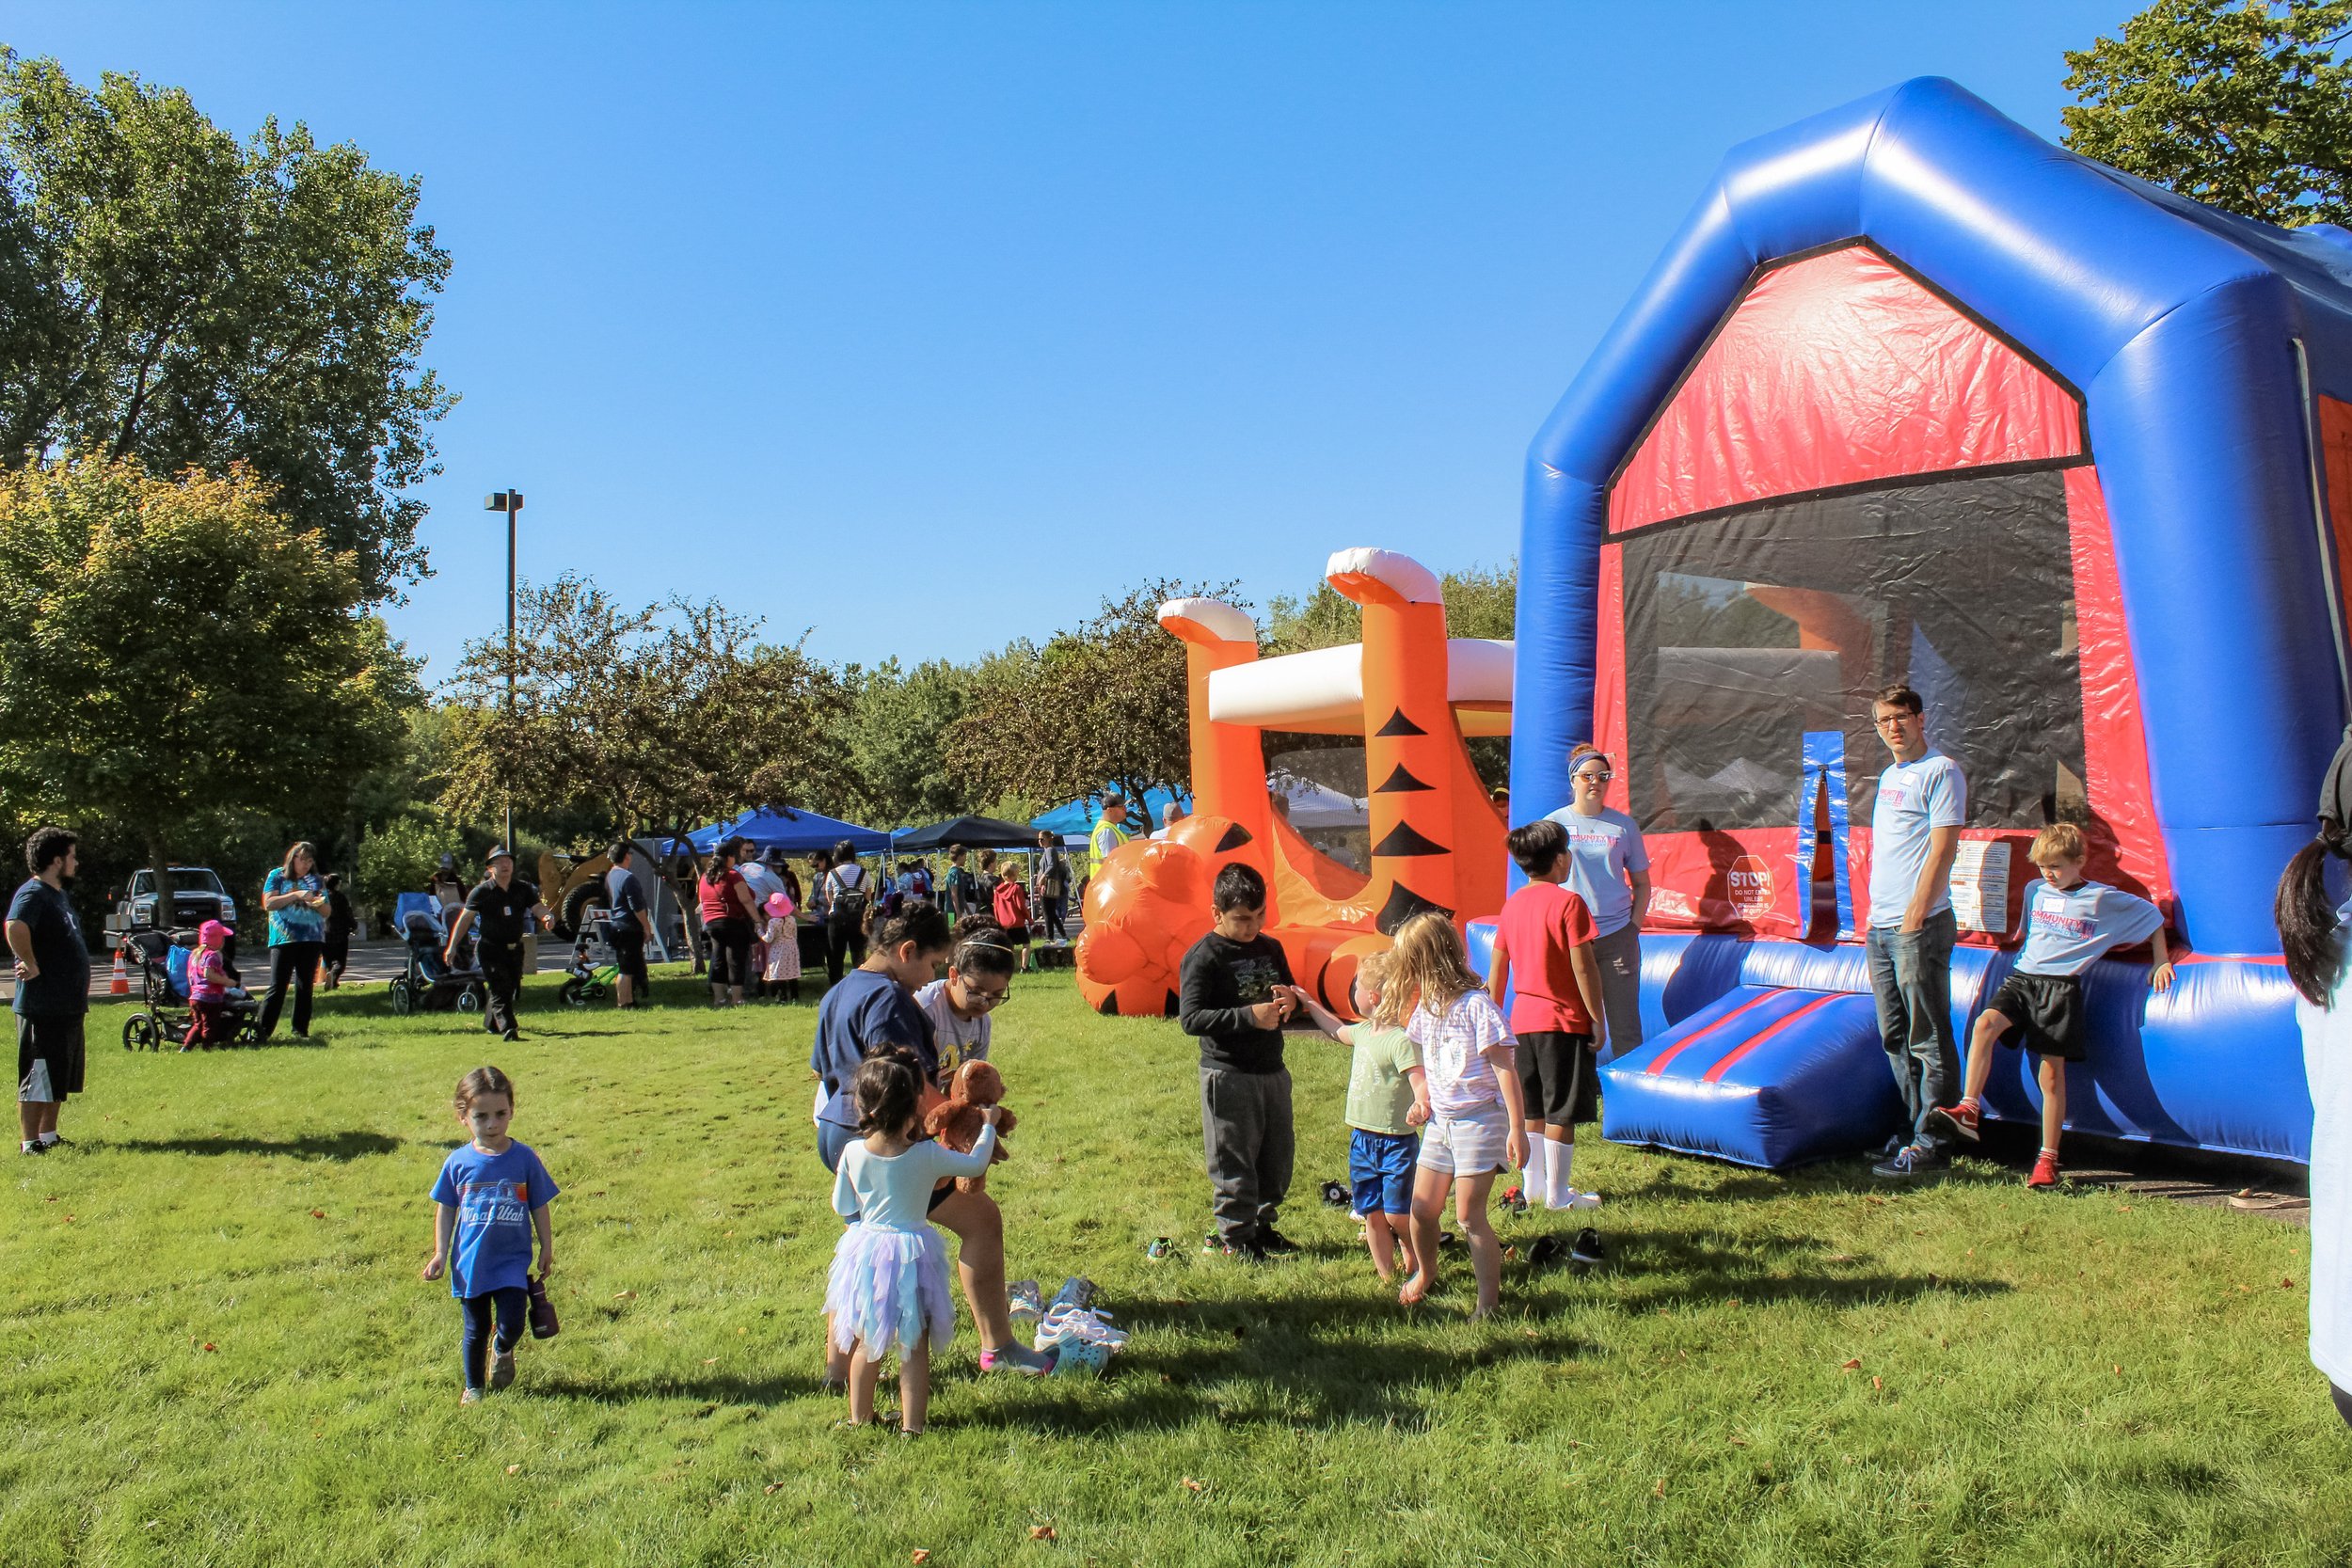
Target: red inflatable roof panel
x,y
1840,369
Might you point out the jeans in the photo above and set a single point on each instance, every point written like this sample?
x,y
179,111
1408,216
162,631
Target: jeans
x,y
300,962
1910,978
514,1311
1245,1134
502,976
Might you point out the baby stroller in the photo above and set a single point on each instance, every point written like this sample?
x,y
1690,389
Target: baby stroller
x,y
430,985
165,1013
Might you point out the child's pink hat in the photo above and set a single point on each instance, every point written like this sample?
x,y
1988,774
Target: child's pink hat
x,y
213,934
779,904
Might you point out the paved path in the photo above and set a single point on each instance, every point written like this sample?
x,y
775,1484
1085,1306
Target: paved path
x,y
370,963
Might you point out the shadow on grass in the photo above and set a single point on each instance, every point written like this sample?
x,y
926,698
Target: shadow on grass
x,y
1271,1364
315,1146
1669,1268
711,1390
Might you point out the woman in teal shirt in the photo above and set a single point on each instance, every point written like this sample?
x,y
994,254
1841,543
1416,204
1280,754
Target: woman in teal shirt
x,y
296,902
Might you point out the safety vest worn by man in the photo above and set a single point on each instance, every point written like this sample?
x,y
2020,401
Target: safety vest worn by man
x,y
1108,835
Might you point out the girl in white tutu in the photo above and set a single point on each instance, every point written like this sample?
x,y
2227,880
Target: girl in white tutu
x,y
888,1289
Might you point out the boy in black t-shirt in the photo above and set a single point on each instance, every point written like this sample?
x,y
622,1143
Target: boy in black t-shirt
x,y
1235,995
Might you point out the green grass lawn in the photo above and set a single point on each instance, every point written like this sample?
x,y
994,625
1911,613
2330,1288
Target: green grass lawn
x,y
219,1350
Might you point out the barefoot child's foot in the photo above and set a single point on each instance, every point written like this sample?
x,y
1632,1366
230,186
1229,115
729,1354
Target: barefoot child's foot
x,y
1416,1287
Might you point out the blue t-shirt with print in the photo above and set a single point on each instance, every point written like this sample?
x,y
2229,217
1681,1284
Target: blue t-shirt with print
x,y
866,1011
494,1195
2067,928
295,922
1915,798
1602,848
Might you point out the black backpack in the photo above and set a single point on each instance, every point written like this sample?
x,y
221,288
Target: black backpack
x,y
846,912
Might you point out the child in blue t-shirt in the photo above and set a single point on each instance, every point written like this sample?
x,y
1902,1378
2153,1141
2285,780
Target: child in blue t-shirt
x,y
2070,922
491,1198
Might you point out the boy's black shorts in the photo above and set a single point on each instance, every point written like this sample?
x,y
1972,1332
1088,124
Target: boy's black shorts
x,y
1559,1078
2047,1010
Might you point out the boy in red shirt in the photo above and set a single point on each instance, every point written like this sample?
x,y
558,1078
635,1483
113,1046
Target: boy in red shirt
x,y
1547,933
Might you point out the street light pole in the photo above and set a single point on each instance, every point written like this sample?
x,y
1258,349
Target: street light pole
x,y
509,503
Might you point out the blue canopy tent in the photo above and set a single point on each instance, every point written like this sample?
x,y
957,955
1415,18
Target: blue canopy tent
x,y
795,833
1078,818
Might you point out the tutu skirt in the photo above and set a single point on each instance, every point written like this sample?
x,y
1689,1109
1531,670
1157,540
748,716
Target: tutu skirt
x,y
888,1289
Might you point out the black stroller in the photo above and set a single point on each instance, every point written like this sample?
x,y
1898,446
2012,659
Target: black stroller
x,y
166,1013
430,985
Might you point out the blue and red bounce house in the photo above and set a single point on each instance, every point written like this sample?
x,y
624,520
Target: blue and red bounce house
x,y
1914,396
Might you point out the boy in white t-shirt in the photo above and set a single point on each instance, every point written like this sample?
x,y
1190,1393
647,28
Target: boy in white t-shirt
x,y
2068,922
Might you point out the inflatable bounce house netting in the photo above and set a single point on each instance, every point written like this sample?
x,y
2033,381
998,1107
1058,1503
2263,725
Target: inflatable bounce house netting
x,y
1914,396
1911,397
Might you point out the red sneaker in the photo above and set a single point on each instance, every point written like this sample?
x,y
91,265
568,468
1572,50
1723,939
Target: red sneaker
x,y
2045,1172
1962,1119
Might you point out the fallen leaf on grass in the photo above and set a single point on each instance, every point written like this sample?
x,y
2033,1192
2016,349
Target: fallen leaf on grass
x,y
68,1219
922,1554
1737,1442
624,1295
2285,1283
209,1345
2123,1208
318,1214
1659,1490
772,1488
1192,1486
1876,1383
1043,1533
151,1523
2119,1371
514,1469
1852,1366
710,1360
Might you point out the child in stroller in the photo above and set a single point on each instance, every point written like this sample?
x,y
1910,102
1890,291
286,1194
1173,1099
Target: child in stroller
x,y
187,970
431,985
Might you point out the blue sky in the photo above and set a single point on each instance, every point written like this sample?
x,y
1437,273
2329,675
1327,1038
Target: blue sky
x,y
923,327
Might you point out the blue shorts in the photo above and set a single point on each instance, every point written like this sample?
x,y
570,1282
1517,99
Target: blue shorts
x,y
1380,1169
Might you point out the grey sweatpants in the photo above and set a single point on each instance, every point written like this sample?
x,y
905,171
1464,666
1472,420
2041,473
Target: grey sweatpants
x,y
1245,1134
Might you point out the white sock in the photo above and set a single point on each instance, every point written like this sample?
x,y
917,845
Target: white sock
x,y
49,1137
1558,1189
1531,1177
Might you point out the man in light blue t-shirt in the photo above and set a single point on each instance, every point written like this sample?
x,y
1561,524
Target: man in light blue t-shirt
x,y
1915,833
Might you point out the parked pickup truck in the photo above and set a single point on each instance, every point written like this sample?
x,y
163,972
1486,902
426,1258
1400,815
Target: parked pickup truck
x,y
197,896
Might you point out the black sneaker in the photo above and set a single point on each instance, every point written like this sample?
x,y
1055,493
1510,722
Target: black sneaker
x,y
1908,1161
34,1148
1586,1248
1546,1252
1273,1241
1894,1146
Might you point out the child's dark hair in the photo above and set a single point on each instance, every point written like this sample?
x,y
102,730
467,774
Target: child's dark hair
x,y
919,923
1237,887
1536,845
334,881
983,948
2307,918
883,1090
1900,696
483,1081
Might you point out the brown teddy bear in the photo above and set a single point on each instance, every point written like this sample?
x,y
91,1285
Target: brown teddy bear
x,y
956,1122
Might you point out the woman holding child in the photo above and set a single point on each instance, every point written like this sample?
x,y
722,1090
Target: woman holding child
x,y
874,1012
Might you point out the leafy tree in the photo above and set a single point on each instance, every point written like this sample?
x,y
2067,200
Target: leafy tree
x,y
666,716
2246,107
897,742
177,657
1105,703
1479,601
169,295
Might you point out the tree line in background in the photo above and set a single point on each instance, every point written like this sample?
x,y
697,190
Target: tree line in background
x,y
213,412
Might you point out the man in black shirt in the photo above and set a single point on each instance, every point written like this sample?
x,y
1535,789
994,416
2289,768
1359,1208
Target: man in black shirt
x,y
629,927
1235,995
506,909
52,988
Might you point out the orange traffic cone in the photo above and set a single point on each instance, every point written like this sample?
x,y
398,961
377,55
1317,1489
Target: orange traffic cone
x,y
120,984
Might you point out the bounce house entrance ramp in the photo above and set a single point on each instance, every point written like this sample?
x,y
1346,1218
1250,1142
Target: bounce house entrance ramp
x,y
1764,1075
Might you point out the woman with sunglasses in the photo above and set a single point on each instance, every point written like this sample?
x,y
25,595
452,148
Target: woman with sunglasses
x,y
979,977
1609,869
